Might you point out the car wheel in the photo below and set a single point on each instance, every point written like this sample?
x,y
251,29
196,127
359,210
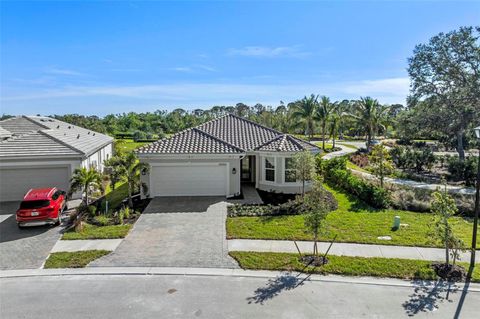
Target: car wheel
x,y
19,225
59,218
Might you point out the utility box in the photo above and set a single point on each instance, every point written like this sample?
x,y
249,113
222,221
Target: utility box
x,y
396,222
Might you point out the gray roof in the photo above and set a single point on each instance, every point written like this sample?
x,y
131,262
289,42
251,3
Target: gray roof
x,y
228,134
191,141
287,143
54,138
4,133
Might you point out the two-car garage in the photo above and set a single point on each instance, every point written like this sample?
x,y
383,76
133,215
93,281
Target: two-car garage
x,y
189,179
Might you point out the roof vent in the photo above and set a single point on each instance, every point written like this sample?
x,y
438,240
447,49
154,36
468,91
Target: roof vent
x,y
50,120
42,120
78,136
93,134
58,126
88,133
69,127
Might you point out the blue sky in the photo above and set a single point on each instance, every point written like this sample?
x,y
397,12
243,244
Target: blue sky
x,y
113,57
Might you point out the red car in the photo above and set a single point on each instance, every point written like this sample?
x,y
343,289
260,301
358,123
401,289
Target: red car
x,y
42,206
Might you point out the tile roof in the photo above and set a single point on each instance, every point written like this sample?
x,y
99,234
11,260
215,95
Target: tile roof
x,y
33,145
286,143
53,137
227,134
191,141
4,133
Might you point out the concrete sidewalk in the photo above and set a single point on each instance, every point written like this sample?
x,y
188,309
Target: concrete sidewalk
x,y
344,249
81,245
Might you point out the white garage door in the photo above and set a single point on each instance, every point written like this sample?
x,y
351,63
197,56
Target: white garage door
x,y
15,182
189,180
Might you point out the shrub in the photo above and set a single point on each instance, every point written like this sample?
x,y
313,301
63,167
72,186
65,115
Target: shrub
x,y
92,210
369,193
102,220
138,135
292,207
361,160
463,170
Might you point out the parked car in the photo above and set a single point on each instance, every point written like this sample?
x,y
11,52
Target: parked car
x,y
42,206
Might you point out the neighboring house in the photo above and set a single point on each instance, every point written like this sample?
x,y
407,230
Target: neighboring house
x,y
37,151
216,157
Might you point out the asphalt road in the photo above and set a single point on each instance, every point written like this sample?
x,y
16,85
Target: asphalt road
x,y
193,296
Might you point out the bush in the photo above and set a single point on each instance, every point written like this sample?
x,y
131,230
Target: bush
x,y
92,210
463,170
292,207
138,135
408,158
361,160
369,193
102,220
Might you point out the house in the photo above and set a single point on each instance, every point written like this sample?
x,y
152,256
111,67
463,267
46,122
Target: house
x,y
214,158
37,151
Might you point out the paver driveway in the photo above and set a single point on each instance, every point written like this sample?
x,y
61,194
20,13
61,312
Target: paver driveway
x,y
176,232
23,248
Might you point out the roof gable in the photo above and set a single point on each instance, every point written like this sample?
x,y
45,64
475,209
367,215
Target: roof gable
x,y
287,143
191,141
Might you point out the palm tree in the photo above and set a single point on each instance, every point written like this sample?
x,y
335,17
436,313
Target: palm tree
x,y
85,180
371,115
324,110
305,110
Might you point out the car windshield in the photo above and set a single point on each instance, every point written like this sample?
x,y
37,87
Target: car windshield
x,y
32,204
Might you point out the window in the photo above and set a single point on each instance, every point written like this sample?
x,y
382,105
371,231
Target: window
x,y
270,169
34,204
290,171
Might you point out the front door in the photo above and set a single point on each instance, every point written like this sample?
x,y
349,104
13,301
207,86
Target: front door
x,y
246,168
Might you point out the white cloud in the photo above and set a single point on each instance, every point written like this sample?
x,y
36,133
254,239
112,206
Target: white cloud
x,y
269,52
59,71
391,90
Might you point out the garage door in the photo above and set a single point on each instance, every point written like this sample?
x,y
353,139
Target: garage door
x,y
15,182
189,180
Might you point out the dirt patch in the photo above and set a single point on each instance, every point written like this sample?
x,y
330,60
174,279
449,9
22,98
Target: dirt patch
x,y
450,272
312,260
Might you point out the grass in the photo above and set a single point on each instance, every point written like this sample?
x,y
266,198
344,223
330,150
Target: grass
x,y
344,265
115,197
128,145
352,222
77,259
355,167
98,232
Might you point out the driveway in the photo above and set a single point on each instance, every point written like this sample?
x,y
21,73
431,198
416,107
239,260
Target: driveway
x,y
23,248
176,232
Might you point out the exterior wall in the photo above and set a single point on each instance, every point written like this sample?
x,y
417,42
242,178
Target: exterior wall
x,y
279,185
96,159
72,164
233,162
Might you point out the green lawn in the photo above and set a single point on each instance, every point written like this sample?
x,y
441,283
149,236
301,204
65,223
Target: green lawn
x,y
115,197
127,145
98,232
78,259
344,265
355,167
353,222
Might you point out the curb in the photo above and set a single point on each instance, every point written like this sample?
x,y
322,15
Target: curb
x,y
214,272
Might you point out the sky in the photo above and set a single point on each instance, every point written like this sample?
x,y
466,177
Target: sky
x,y
98,58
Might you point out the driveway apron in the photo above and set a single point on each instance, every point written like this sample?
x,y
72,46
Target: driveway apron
x,y
23,248
176,232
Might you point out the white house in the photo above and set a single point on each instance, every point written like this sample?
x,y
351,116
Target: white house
x,y
216,157
37,151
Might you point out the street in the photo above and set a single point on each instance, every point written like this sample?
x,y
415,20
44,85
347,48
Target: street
x,y
195,296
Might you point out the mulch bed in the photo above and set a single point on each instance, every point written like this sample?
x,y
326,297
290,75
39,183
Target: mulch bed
x,y
312,260
450,272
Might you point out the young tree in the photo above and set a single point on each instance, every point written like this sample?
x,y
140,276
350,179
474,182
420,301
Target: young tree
x,y
318,211
86,181
445,73
381,162
114,169
305,167
443,206
131,170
